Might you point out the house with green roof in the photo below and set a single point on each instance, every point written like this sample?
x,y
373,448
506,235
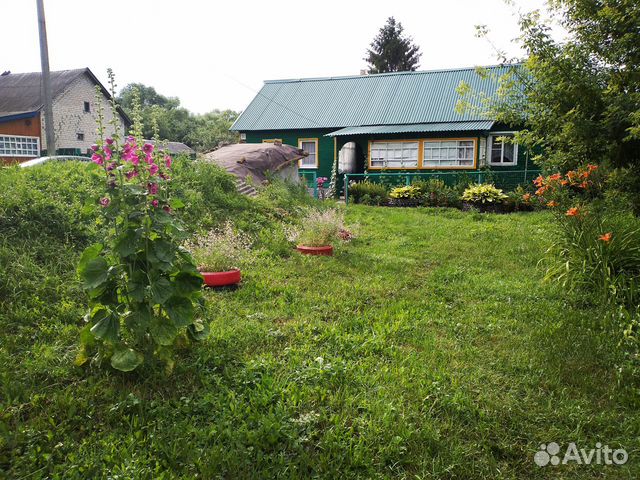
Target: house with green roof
x,y
404,121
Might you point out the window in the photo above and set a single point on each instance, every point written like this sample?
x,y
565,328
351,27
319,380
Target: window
x,y
17,146
449,153
87,107
309,145
501,152
80,136
394,154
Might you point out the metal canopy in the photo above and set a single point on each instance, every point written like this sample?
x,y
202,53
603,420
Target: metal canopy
x,y
479,125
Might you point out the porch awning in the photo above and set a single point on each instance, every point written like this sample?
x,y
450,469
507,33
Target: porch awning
x,y
476,125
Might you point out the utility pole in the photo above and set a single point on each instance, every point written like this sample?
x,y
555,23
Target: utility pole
x,y
46,82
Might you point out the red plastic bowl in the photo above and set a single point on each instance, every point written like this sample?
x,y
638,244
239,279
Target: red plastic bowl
x,y
221,279
325,250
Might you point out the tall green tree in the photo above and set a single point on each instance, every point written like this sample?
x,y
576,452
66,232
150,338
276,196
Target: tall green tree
x,y
392,50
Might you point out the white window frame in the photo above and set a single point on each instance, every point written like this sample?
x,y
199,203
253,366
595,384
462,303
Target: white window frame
x,y
301,163
8,138
461,166
405,162
490,150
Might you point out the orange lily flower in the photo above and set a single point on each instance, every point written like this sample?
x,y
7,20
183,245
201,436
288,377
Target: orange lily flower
x,y
552,204
592,167
541,191
584,185
573,212
564,183
538,182
555,176
526,197
606,238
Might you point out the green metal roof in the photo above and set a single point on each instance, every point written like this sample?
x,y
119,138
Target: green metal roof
x,y
477,125
383,99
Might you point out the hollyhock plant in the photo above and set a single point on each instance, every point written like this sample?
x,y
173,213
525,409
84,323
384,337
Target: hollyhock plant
x,y
143,287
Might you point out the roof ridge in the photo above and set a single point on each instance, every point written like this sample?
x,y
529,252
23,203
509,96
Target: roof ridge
x,y
376,75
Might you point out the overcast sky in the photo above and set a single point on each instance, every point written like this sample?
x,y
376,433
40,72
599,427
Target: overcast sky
x,y
214,54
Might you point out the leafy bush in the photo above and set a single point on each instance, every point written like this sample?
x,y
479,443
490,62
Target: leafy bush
x,y
143,288
319,228
368,193
483,193
437,193
221,249
406,192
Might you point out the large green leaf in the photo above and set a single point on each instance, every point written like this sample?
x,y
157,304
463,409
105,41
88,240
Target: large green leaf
x,y
180,311
126,244
163,250
136,286
93,272
126,359
161,290
106,325
138,321
163,331
187,282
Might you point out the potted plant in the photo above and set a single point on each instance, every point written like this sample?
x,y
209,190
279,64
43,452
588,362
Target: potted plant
x,y
219,254
484,197
319,229
409,196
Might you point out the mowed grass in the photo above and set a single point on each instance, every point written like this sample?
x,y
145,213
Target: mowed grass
x,y
429,347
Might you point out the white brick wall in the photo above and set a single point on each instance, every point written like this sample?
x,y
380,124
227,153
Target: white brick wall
x,y
70,118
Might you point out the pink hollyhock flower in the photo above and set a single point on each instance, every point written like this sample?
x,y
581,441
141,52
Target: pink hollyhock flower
x,y
105,202
131,174
107,153
95,158
153,169
94,147
109,141
131,139
147,148
153,188
154,203
167,161
111,166
148,158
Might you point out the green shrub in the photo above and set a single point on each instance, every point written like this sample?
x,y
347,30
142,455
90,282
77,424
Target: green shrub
x,y
368,193
483,193
406,192
437,193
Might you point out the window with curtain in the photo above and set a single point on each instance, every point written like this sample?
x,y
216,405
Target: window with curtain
x,y
309,145
448,153
394,154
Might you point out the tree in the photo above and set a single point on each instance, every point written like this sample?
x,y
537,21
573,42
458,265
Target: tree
x,y
582,94
176,123
392,51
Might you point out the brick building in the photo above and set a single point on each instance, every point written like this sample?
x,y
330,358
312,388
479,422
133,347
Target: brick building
x,y
22,126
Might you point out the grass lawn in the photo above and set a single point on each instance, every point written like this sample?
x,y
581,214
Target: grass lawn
x,y
427,348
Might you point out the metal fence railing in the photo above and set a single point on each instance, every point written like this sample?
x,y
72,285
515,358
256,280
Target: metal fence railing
x,y
310,179
506,180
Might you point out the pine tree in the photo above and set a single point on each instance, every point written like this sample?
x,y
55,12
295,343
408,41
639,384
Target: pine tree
x,y
392,51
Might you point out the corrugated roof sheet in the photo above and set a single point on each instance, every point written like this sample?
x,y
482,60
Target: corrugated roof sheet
x,y
477,125
382,99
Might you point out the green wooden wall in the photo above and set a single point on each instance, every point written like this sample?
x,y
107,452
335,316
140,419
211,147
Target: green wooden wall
x,y
326,146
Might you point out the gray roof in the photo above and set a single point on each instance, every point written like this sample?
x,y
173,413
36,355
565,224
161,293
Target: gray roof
x,y
401,98
22,92
175,148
